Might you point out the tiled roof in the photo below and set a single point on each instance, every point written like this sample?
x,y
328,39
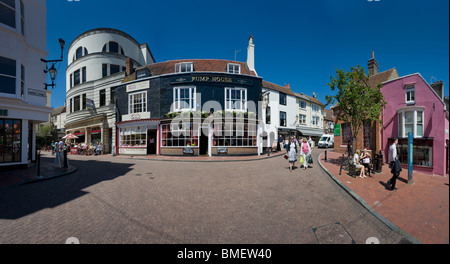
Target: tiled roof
x,y
276,87
381,77
200,65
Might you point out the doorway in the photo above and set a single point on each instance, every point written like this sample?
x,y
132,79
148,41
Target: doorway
x,y
151,141
204,142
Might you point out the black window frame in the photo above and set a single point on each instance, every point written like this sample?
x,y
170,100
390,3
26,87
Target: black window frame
x,y
283,121
283,99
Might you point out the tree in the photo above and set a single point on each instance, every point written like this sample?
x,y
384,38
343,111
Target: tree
x,y
44,133
357,102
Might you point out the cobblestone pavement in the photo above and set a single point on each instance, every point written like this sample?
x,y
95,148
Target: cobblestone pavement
x,y
113,200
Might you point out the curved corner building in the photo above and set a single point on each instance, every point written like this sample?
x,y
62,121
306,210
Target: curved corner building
x,y
96,63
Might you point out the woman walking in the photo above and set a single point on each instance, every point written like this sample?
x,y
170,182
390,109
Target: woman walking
x,y
292,153
305,151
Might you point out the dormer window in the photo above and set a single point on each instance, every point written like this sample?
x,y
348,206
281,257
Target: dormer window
x,y
410,94
184,67
234,68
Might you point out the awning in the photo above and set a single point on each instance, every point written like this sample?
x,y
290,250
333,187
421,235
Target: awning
x,y
313,132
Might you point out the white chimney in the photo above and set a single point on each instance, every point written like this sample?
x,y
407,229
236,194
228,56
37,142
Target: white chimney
x,y
251,54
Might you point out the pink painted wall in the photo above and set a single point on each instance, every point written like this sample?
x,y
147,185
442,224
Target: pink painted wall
x,y
435,121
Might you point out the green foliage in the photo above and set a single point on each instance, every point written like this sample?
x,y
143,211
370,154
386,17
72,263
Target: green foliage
x,y
357,101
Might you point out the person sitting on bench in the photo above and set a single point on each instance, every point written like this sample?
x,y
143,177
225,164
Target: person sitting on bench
x,y
358,165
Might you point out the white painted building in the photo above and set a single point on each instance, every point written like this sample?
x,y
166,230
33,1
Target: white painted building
x,y
97,63
310,117
278,113
23,98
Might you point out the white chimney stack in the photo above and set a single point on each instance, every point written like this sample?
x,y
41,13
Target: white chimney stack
x,y
251,54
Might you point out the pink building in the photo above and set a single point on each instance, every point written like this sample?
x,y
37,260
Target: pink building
x,y
415,106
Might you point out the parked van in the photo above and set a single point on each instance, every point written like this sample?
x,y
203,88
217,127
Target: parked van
x,y
326,141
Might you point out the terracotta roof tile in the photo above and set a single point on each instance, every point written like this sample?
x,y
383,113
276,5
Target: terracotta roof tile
x,y
276,87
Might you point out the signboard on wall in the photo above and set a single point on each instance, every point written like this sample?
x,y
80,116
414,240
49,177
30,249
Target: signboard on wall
x,y
138,86
337,129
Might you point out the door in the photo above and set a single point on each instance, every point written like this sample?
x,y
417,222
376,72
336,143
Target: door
x,y
204,141
151,141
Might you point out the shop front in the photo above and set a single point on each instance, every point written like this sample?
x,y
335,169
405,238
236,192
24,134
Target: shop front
x,y
138,137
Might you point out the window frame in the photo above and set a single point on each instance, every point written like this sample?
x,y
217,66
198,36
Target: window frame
x,y
231,68
179,67
177,106
401,122
131,102
285,119
282,95
410,89
10,73
229,101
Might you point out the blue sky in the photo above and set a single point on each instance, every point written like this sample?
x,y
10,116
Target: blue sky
x,y
300,43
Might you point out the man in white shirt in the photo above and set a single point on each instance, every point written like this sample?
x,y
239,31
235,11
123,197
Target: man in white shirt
x,y
394,164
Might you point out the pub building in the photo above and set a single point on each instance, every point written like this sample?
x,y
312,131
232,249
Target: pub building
x,y
189,107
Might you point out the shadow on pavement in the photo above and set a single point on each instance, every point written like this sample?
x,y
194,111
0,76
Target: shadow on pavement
x,y
22,200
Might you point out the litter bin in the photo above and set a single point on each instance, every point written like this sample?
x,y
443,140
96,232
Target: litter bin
x,y
378,163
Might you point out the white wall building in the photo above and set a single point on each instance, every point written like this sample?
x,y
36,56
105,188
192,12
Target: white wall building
x,y
97,63
23,98
278,113
310,116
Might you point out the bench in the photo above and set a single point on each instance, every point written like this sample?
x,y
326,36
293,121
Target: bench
x,y
353,171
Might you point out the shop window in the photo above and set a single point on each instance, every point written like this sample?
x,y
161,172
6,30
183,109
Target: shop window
x,y
422,149
234,135
179,135
133,137
235,99
10,141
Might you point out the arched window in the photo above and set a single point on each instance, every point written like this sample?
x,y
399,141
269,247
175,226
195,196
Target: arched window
x,y
79,53
113,47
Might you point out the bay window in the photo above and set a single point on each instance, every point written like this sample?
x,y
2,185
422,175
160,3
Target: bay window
x,y
410,120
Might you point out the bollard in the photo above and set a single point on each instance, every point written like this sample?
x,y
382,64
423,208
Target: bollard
x,y
39,164
325,155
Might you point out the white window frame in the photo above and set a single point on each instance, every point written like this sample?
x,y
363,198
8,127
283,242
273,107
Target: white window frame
x,y
231,68
177,107
410,90
313,122
401,117
300,104
302,119
315,108
229,102
131,103
179,66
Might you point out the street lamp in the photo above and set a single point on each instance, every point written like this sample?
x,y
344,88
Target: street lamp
x,y
52,71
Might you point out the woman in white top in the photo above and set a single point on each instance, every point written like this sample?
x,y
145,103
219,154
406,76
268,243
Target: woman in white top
x,y
292,153
358,165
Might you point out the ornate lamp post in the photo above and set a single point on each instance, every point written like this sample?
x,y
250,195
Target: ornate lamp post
x,y
52,71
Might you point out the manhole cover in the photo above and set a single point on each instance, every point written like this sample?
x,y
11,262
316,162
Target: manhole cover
x,y
332,234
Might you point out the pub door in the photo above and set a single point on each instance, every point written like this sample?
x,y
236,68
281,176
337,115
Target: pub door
x,y
151,141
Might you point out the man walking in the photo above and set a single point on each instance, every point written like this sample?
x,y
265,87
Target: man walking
x,y
395,166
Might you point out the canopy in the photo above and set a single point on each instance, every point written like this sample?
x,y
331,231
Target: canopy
x,y
70,136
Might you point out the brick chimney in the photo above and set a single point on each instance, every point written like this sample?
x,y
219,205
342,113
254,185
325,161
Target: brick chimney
x,y
373,65
438,87
129,66
288,86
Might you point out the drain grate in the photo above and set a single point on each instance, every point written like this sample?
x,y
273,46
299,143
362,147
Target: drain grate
x,y
333,233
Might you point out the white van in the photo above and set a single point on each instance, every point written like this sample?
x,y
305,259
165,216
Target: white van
x,y
326,141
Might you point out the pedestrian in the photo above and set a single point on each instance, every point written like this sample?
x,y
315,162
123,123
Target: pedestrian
x,y
292,153
99,148
53,147
394,165
305,151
